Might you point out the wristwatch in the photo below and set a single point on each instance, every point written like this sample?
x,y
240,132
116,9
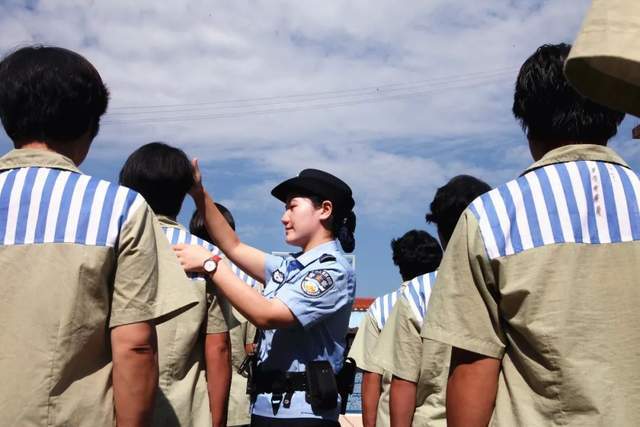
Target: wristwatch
x,y
210,265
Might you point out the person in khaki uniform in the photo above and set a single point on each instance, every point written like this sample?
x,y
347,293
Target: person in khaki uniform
x,y
241,332
375,380
84,273
542,313
400,351
415,253
195,370
420,367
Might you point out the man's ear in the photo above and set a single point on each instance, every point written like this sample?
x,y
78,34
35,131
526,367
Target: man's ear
x,y
327,210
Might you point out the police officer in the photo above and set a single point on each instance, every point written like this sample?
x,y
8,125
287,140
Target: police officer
x,y
304,311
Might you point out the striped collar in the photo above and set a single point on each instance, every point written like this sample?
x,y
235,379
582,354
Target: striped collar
x,y
577,152
26,157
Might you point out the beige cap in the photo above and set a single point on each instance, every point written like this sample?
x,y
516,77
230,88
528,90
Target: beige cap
x,y
604,63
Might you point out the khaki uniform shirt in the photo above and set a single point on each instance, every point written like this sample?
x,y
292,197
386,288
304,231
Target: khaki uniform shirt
x,y
78,256
402,352
362,348
542,273
183,398
241,332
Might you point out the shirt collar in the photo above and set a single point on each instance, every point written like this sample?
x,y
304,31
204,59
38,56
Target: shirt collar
x,y
165,221
29,157
577,152
308,257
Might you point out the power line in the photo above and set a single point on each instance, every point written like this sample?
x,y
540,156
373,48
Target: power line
x,y
310,107
320,95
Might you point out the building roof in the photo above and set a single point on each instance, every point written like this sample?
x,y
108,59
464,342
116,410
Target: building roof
x,y
362,303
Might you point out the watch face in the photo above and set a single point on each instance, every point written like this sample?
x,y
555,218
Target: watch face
x,y
210,265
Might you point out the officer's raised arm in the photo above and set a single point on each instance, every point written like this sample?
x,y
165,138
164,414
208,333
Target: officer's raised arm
x,y
248,258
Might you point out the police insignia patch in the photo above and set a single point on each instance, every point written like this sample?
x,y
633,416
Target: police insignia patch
x,y
278,276
316,283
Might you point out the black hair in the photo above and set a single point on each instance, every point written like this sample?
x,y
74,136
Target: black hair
x,y
50,94
550,109
197,227
415,253
451,200
342,223
162,174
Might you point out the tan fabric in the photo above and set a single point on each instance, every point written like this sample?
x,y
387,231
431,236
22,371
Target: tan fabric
x,y
361,351
402,352
399,347
241,332
57,302
363,344
562,317
183,398
604,63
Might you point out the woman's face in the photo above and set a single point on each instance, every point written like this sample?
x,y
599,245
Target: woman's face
x,y
302,220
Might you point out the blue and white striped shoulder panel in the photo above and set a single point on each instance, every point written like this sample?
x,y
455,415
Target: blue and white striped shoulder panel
x,y
588,202
44,205
176,236
382,306
418,292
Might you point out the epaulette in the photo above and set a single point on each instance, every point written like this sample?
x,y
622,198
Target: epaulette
x,y
327,258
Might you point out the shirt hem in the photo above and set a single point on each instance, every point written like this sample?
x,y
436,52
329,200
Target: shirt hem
x,y
436,333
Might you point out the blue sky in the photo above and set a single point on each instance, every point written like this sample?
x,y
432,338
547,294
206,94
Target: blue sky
x,y
394,97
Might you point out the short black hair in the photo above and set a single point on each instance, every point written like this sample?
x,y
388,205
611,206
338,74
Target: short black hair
x,y
162,174
50,94
451,200
550,109
197,227
415,253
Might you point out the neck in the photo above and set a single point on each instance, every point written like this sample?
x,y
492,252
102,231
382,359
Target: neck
x,y
316,241
540,147
68,150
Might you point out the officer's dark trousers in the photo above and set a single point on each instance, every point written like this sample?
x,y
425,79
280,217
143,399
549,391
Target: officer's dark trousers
x,y
257,421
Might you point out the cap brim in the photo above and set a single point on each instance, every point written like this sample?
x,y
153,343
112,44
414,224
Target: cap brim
x,y
294,185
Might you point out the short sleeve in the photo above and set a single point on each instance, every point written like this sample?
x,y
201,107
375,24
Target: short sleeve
x,y
217,320
399,348
135,287
463,310
149,283
271,264
318,294
364,343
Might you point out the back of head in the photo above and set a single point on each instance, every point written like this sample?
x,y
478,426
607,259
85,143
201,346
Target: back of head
x,y
415,253
162,174
451,200
550,109
50,94
197,227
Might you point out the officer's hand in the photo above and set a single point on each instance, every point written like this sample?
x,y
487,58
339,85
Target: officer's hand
x,y
197,188
192,257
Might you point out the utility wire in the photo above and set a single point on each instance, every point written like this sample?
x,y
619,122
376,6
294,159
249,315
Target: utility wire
x,y
309,107
318,95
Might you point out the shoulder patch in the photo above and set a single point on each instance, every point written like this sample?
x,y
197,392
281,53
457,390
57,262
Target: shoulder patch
x,y
278,277
327,258
316,283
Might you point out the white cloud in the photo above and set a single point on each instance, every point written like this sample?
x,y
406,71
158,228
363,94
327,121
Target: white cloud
x,y
394,153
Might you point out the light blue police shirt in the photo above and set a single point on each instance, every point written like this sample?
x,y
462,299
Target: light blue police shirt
x,y
319,288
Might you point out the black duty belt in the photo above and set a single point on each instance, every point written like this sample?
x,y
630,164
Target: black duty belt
x,y
280,382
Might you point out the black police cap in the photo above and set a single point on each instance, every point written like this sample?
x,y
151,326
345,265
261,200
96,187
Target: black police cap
x,y
318,183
